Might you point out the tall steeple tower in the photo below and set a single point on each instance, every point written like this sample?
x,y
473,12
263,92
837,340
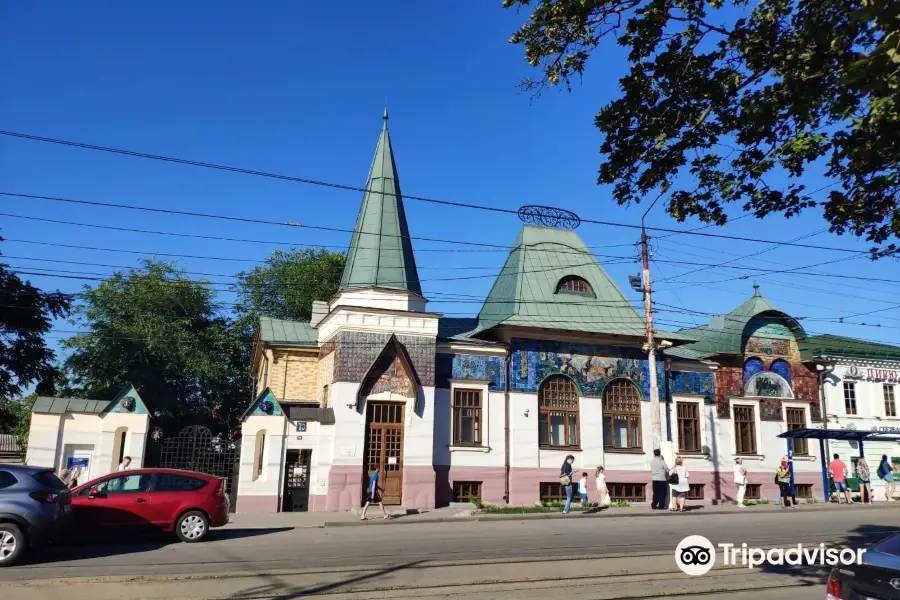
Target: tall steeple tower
x,y
381,254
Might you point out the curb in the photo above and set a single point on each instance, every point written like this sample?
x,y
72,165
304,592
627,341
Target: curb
x,y
603,515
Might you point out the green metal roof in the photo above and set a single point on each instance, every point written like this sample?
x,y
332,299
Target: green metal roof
x,y
287,333
380,254
836,345
725,334
525,292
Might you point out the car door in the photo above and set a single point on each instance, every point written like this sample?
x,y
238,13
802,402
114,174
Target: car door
x,y
115,504
171,493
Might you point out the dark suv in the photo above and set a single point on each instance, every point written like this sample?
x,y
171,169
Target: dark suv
x,y
34,506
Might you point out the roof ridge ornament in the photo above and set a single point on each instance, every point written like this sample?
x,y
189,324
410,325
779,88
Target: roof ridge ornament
x,y
549,216
756,289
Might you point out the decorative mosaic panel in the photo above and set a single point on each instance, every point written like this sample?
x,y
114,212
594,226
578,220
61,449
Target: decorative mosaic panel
x,y
484,368
590,367
357,351
781,368
688,382
770,409
767,385
768,346
394,378
729,383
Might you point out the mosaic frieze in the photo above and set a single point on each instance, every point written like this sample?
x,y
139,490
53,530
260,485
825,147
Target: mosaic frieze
x,y
390,378
767,346
729,383
483,368
752,367
357,351
590,367
688,382
767,385
770,409
764,327
782,368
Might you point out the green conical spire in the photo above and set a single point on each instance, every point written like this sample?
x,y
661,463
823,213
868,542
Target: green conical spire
x,y
380,254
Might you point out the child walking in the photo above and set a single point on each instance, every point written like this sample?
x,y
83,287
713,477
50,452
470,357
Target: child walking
x,y
601,486
582,489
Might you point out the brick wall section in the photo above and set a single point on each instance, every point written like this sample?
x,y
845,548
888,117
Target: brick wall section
x,y
729,382
294,374
325,377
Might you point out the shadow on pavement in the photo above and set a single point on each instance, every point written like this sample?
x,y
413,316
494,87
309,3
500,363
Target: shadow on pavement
x,y
102,546
276,590
864,536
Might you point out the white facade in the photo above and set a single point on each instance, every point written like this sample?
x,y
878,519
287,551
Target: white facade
x,y
865,395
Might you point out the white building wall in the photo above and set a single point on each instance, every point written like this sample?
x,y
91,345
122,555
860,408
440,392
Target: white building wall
x,y
262,493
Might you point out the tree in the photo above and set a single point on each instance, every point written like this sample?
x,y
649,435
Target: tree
x,y
162,332
26,315
15,417
288,283
734,94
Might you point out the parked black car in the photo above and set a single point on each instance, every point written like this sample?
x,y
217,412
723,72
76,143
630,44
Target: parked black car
x,y
34,509
877,578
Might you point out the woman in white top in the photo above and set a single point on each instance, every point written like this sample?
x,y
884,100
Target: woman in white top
x,y
682,487
740,480
601,487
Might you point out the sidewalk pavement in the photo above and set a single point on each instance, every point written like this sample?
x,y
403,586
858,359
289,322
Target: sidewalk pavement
x,y
469,513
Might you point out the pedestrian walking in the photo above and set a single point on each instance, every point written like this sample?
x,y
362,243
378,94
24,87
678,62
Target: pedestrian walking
x,y
783,479
838,471
886,473
582,489
565,481
73,482
374,496
123,466
865,481
65,476
602,490
659,473
679,480
740,480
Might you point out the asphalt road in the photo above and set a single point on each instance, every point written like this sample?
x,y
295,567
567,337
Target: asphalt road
x,y
598,558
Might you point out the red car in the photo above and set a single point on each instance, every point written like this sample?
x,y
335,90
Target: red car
x,y
169,500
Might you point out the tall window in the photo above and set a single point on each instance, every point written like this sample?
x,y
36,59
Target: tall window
x,y
259,454
850,397
621,416
688,426
466,417
890,404
558,413
796,419
744,430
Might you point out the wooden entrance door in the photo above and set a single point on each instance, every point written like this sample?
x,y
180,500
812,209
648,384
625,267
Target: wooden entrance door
x,y
384,448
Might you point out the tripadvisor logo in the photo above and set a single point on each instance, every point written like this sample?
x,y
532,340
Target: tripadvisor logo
x,y
696,555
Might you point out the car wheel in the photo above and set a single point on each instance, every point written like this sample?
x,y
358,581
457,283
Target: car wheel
x,y
12,544
192,526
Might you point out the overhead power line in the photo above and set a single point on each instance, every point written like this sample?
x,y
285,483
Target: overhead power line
x,y
455,204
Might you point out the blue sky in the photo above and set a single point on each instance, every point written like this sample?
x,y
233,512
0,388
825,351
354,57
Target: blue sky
x,y
298,88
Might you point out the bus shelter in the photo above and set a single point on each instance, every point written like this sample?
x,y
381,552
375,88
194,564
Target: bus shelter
x,y
846,435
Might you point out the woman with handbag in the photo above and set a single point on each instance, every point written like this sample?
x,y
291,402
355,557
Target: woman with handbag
x,y
565,481
678,479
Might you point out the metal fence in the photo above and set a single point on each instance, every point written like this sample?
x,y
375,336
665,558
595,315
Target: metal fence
x,y
10,448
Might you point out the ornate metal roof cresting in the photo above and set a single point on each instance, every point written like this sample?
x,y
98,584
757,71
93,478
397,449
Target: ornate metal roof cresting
x,y
549,216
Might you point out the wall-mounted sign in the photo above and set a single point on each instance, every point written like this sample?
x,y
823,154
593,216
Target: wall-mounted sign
x,y
855,372
392,460
301,426
889,429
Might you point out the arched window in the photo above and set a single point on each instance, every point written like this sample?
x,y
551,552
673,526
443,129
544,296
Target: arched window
x,y
751,367
781,367
621,416
558,413
118,447
574,285
259,454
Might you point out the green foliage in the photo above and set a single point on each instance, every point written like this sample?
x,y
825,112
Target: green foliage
x,y
26,315
734,93
15,417
155,328
288,283
620,504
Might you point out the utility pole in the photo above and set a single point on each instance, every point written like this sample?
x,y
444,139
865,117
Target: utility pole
x,y
651,342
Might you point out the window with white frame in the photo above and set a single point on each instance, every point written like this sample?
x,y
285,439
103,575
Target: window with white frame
x,y
467,411
890,403
795,418
688,416
558,413
850,397
744,429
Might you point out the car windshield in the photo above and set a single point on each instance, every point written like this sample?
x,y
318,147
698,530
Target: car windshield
x,y
50,480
